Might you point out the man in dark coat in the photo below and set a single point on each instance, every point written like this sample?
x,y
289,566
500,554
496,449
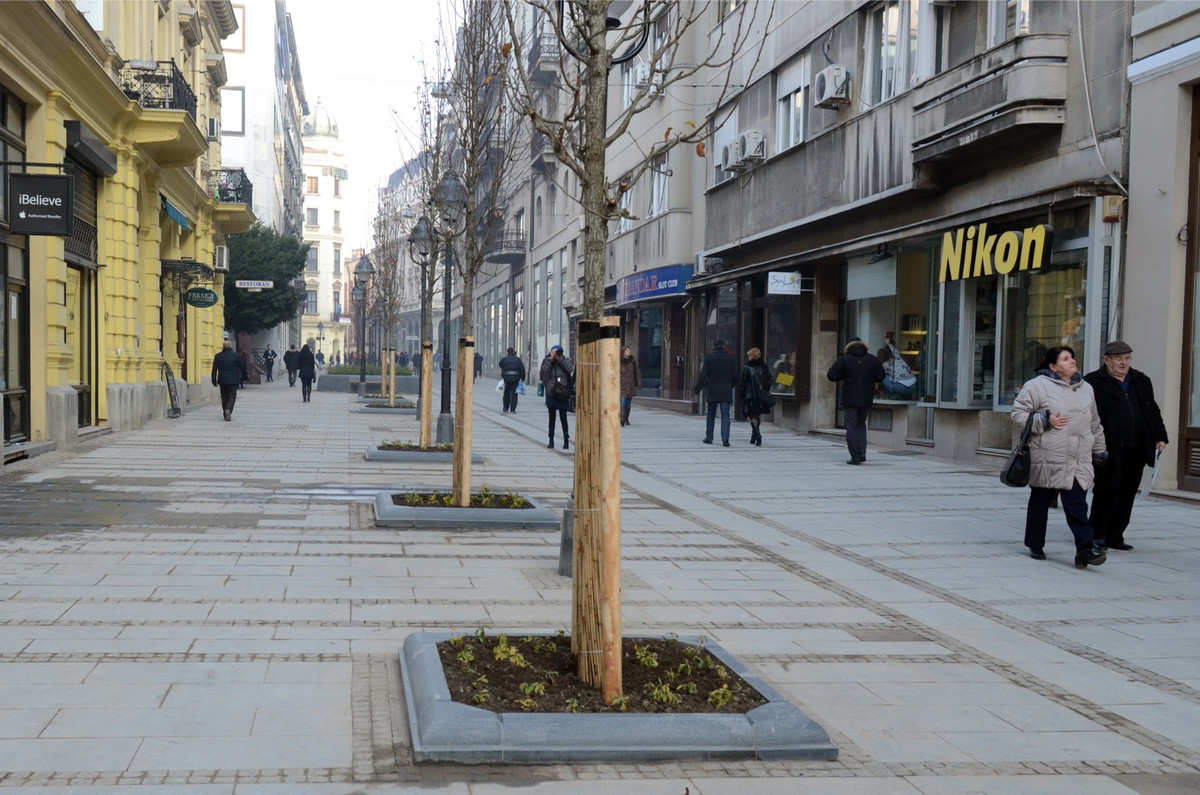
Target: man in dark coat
x,y
512,372
307,365
859,371
291,361
1134,434
269,357
228,372
718,375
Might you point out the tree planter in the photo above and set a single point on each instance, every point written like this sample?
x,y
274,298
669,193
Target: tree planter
x,y
445,731
375,409
389,514
418,456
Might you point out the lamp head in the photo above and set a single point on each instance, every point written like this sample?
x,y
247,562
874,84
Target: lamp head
x,y
363,271
419,241
450,197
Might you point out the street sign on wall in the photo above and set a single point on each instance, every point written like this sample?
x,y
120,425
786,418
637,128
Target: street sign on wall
x,y
41,204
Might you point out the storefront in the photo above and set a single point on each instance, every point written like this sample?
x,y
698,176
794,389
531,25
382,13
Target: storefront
x,y
14,275
652,304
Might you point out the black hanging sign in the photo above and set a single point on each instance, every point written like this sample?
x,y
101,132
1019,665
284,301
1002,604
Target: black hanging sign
x,y
41,204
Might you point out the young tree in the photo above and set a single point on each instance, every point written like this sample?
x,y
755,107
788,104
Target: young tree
x,y
387,285
580,131
261,253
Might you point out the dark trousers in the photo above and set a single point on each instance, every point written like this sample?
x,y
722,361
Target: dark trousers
x,y
1074,505
1112,503
856,431
270,371
228,396
562,413
510,396
306,388
292,377
711,421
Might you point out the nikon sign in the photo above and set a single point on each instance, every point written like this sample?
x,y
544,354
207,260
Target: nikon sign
x,y
968,252
41,204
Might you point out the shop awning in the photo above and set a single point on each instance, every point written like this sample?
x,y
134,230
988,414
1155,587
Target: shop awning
x,y
174,213
654,284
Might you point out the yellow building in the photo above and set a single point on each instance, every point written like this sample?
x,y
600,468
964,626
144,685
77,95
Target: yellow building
x,y
123,97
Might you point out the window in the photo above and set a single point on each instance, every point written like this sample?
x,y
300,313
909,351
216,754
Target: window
x,y
310,263
310,302
891,49
792,88
1007,19
337,186
337,219
337,259
310,216
233,110
625,207
933,40
727,7
659,182
314,184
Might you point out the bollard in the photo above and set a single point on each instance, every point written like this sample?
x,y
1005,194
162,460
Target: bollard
x,y
566,549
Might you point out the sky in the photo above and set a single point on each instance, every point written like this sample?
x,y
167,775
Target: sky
x,y
361,59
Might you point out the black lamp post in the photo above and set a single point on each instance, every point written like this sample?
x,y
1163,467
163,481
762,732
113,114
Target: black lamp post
x,y
320,336
418,249
363,272
450,199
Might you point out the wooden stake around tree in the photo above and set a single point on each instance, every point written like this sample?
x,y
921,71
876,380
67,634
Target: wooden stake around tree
x,y
462,422
426,433
609,393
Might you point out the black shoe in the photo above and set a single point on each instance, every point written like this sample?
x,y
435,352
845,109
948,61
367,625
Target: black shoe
x,y
1090,557
1037,554
853,462
551,445
707,441
1100,545
725,443
566,442
1122,546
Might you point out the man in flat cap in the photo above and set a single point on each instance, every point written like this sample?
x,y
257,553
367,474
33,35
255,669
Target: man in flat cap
x,y
1133,433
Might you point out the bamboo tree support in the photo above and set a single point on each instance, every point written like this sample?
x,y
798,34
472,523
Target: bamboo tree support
x,y
426,394
462,421
387,378
610,485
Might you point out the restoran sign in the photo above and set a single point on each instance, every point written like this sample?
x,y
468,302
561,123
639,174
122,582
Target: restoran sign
x,y
656,283
969,251
41,204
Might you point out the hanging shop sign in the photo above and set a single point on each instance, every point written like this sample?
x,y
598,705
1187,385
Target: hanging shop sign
x,y
969,251
254,285
786,283
200,297
41,204
656,283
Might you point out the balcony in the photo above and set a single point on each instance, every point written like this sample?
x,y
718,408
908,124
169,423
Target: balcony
x,y
233,194
544,57
158,85
165,128
1009,93
507,246
542,153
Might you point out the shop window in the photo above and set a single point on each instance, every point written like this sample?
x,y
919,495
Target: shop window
x,y
650,348
783,336
1042,308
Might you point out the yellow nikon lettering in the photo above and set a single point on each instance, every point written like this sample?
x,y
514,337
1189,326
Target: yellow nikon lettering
x,y
970,251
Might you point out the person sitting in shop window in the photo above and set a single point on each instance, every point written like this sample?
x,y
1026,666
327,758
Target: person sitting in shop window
x,y
898,377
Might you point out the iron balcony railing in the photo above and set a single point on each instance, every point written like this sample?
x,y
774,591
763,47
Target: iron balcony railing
x,y
231,186
544,56
158,84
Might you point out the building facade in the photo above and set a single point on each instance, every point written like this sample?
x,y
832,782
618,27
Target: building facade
x,y
328,282
124,98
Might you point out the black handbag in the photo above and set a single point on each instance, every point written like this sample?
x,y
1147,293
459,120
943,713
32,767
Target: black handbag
x,y
1016,470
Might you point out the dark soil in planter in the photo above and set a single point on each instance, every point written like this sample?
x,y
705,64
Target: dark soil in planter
x,y
416,448
444,499
539,674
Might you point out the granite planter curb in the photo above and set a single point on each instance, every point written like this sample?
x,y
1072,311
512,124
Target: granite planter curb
x,y
445,731
388,514
418,456
385,410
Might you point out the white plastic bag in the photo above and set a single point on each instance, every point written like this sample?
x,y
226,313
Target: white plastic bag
x,y
500,385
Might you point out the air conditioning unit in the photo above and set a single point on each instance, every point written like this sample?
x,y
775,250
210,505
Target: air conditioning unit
x,y
731,156
641,75
831,87
752,145
214,128
221,259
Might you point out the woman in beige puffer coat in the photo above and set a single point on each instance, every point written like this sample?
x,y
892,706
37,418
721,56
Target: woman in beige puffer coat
x,y
1066,440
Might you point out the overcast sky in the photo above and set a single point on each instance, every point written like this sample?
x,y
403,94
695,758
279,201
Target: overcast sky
x,y
360,58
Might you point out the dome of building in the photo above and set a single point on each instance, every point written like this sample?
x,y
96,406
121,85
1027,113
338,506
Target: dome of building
x,y
320,122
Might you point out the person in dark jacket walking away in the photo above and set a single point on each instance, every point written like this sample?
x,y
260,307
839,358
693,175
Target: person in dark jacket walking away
x,y
631,382
557,375
512,372
718,375
291,363
478,366
755,387
269,357
228,372
859,371
307,366
1134,434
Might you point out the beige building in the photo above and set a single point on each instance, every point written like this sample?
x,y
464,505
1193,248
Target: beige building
x,y
327,276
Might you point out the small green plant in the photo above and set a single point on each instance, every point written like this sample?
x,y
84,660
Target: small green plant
x,y
533,689
457,640
504,651
544,646
687,687
572,705
662,693
482,697
621,703
646,657
527,704
465,657
721,697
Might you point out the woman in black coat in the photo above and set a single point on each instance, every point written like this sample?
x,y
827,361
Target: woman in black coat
x,y
755,388
557,373
308,372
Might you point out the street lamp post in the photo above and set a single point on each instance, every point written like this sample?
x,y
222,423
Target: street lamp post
x,y
320,336
449,198
363,272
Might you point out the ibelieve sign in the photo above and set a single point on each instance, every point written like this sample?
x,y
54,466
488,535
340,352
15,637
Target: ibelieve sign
x,y
41,204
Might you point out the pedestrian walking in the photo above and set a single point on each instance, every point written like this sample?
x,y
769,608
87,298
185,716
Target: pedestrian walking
x,y
478,366
307,365
718,375
291,361
1066,442
557,375
320,360
1134,435
631,382
269,357
859,371
512,373
228,372
755,387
